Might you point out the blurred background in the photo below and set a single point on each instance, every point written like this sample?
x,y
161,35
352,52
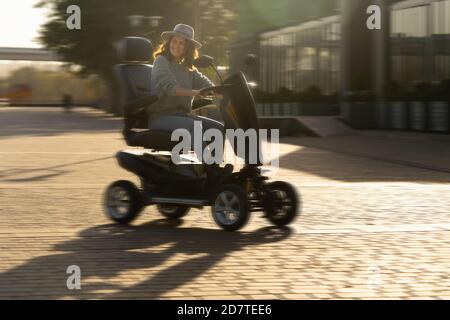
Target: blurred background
x,y
314,57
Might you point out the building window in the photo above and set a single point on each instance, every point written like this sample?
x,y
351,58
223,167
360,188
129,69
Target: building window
x,y
303,56
420,43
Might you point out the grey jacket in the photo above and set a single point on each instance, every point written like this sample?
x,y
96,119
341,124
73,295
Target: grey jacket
x,y
166,75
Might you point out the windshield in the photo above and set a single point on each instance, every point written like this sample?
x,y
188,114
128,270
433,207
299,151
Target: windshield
x,y
238,106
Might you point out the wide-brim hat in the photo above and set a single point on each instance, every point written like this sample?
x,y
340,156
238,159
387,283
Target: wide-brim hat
x,y
184,31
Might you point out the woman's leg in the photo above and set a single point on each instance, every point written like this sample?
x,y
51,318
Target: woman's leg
x,y
207,124
170,123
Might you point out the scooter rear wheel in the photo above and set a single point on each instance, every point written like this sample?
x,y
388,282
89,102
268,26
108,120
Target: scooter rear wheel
x,y
173,211
230,207
122,202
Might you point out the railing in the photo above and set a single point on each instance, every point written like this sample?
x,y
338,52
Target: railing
x,y
296,109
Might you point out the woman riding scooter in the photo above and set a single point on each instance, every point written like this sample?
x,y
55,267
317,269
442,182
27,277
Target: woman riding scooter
x,y
173,187
176,82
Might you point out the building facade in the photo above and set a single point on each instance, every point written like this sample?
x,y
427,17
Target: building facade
x,y
420,42
301,56
338,53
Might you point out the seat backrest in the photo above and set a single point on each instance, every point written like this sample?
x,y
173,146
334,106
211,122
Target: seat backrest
x,y
134,74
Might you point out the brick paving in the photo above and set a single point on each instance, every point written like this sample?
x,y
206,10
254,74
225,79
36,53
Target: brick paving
x,y
370,228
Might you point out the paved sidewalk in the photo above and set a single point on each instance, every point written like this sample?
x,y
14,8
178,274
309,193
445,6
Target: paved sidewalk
x,y
369,229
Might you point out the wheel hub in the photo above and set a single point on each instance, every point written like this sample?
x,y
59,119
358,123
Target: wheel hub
x,y
167,208
118,202
227,207
281,204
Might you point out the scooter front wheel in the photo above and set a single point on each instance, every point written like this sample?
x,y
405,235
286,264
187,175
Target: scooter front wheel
x,y
122,202
283,203
230,207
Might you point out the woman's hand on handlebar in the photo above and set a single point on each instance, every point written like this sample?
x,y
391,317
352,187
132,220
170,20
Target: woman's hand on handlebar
x,y
200,93
182,92
215,90
205,92
212,91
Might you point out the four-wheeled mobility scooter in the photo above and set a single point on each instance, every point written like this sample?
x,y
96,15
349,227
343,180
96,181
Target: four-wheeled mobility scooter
x,y
173,188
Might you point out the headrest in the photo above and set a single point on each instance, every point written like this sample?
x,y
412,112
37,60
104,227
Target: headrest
x,y
135,49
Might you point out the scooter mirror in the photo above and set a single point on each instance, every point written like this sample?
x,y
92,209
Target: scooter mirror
x,y
250,59
203,61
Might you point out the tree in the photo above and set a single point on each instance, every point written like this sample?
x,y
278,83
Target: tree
x,y
104,23
216,26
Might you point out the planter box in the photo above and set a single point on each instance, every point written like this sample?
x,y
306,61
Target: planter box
x,y
266,109
439,116
381,114
418,116
286,109
260,109
276,109
398,115
296,109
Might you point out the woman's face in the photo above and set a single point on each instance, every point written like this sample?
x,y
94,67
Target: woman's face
x,y
177,47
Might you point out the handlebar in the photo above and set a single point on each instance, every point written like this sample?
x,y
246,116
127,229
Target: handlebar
x,y
214,89
200,103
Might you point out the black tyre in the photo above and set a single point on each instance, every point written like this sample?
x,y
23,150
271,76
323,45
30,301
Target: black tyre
x,y
283,203
122,202
173,211
230,207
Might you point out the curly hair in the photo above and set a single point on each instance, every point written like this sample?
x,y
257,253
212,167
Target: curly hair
x,y
188,58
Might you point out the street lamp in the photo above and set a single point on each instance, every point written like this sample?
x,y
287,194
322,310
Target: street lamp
x,y
155,21
135,20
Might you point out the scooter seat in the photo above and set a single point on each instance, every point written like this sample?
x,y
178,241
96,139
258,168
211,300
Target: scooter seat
x,y
151,139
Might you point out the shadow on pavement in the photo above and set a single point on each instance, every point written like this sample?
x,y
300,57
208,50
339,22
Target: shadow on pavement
x,y
106,252
40,174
